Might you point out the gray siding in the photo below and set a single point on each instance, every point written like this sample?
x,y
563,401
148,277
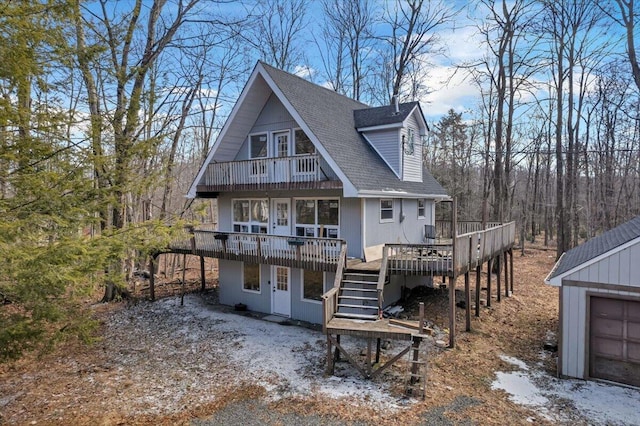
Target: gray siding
x,y
307,310
618,268
273,117
351,225
412,164
387,143
230,287
575,339
410,230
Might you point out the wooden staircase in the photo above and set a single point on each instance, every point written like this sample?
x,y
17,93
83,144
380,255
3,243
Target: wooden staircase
x,y
358,296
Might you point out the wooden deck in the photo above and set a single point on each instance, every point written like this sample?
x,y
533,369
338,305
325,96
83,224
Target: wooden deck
x,y
378,329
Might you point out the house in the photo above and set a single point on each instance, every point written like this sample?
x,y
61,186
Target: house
x,y
305,177
599,284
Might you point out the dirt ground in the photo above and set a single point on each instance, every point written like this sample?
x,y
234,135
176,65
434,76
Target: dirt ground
x,y
78,384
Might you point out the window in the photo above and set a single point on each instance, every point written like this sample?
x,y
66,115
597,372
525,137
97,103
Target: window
x,y
303,144
251,216
420,209
258,146
386,210
317,218
251,277
312,285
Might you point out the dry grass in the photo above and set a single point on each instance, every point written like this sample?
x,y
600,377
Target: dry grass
x,y
516,326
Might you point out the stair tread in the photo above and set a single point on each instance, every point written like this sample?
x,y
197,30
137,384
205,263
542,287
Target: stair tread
x,y
359,289
360,282
357,297
343,305
355,316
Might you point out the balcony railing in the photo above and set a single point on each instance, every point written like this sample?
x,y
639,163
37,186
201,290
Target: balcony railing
x,y
264,171
320,254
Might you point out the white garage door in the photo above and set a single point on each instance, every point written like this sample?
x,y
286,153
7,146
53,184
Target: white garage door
x,y
614,340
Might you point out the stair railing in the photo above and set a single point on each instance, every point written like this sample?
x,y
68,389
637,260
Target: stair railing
x,y
382,278
330,298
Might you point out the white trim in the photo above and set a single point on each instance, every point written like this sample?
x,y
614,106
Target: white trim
x,y
293,140
302,298
249,144
382,156
380,127
224,130
369,193
363,206
422,123
392,210
273,144
245,290
347,187
557,280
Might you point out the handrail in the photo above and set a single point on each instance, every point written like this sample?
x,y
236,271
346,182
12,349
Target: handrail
x,y
342,261
382,277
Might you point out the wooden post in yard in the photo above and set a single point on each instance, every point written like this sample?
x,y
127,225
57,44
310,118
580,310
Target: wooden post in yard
x,y
489,283
452,278
478,276
499,278
467,298
152,281
184,271
202,274
511,261
506,274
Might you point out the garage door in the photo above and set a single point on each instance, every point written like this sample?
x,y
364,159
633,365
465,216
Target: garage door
x,y
615,340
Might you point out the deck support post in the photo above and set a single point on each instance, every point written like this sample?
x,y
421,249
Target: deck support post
x,y
368,366
202,274
467,299
330,364
452,312
489,283
498,278
378,343
336,356
511,267
152,281
416,352
478,277
506,274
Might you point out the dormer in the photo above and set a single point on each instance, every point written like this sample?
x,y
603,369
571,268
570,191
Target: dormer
x,y
395,132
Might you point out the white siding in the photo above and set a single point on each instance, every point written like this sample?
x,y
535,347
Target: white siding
x,y
412,163
618,268
387,143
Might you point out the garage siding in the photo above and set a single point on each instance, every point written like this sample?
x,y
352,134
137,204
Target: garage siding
x,y
574,327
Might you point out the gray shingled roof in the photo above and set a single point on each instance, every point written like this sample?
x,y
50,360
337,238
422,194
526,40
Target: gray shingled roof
x,y
383,115
330,117
598,246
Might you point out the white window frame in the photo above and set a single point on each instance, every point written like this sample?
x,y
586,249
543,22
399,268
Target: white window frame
x,y
423,208
250,223
247,290
316,226
302,298
293,132
381,209
249,156
274,145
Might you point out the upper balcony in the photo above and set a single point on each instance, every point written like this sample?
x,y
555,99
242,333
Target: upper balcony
x,y
296,172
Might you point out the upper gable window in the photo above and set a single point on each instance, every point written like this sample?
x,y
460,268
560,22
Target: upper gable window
x,y
303,144
386,210
258,145
421,209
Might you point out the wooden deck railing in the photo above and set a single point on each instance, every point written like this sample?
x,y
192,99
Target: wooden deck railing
x,y
443,227
418,259
300,168
319,254
474,248
330,298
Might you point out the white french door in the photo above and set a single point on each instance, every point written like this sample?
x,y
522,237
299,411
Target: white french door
x,y
281,290
281,216
281,149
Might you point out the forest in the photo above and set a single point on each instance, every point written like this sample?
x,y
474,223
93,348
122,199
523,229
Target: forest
x,y
108,108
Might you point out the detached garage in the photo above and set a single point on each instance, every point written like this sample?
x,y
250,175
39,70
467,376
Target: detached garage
x,y
599,285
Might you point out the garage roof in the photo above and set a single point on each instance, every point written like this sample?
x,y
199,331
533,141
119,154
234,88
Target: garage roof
x,y
596,247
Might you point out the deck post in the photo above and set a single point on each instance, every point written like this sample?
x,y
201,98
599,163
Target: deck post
x,y
378,342
330,369
416,353
506,273
511,267
452,312
467,299
202,274
478,277
498,278
368,366
336,356
152,281
489,283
